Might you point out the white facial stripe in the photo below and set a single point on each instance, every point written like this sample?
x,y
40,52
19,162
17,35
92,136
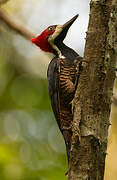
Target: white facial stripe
x,y
55,34
53,37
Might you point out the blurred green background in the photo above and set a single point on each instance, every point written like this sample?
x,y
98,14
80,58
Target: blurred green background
x,y
31,146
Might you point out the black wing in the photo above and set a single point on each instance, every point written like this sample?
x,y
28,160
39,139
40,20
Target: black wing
x,y
57,81
53,87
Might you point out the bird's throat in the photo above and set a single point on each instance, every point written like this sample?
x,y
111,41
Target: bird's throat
x,y
57,51
63,51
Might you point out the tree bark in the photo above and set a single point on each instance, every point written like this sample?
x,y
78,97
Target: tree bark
x,y
92,102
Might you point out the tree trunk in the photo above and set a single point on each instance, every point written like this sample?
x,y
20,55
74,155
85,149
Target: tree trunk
x,y
92,102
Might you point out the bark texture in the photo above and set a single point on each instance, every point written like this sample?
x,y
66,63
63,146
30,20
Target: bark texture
x,y
92,101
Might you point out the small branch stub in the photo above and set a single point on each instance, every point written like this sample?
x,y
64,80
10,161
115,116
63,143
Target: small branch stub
x,y
15,25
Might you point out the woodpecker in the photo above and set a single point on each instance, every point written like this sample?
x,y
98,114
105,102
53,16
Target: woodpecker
x,y
63,72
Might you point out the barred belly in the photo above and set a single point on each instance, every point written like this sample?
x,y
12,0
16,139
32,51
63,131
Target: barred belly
x,y
67,78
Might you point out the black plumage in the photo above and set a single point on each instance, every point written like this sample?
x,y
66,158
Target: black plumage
x,y
63,76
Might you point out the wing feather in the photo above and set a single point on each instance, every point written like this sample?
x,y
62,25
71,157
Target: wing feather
x,y
62,82
53,87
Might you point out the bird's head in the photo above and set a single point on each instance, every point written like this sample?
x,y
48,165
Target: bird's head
x,y
54,34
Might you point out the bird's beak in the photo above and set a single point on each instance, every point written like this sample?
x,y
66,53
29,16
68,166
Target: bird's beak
x,y
69,23
64,29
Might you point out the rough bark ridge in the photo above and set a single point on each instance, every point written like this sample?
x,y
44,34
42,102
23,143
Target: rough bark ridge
x,y
93,97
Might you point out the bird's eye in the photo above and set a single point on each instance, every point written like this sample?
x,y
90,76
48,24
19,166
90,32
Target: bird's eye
x,y
51,28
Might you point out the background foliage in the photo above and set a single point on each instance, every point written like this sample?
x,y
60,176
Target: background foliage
x,y
31,146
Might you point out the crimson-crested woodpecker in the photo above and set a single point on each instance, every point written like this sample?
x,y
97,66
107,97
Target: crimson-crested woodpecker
x,y
62,74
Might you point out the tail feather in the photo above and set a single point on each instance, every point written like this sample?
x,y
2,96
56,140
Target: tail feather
x,y
67,137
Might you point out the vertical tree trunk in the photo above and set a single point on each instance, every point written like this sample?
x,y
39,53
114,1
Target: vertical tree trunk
x,y
92,101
